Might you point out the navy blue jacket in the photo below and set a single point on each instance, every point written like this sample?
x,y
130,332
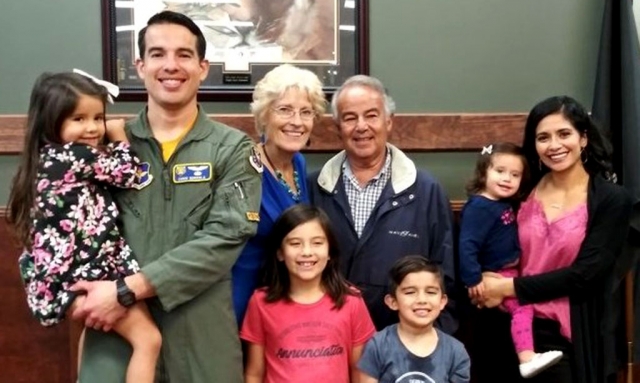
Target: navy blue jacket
x,y
412,217
488,238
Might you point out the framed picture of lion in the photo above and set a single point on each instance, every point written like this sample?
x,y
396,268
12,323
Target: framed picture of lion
x,y
244,40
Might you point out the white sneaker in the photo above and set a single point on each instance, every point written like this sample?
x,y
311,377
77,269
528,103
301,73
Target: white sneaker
x,y
539,363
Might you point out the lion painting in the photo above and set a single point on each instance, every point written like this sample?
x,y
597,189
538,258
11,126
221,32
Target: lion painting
x,y
304,29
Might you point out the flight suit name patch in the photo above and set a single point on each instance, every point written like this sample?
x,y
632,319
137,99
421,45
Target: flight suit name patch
x,y
199,172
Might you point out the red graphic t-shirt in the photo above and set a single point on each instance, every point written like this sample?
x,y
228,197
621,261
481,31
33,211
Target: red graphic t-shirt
x,y
306,342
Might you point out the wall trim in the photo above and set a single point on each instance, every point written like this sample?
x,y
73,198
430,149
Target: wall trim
x,y
411,132
456,206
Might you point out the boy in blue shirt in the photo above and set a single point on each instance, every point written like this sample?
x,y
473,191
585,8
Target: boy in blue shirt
x,y
413,350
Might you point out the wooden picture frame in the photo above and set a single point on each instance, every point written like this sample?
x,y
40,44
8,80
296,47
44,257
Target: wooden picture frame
x,y
245,39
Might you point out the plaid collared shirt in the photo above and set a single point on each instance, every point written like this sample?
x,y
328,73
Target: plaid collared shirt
x,y
362,200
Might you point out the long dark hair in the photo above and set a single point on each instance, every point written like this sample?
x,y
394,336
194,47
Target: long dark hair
x,y
597,153
54,98
479,181
277,279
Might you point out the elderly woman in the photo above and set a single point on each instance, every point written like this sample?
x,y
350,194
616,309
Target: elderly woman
x,y
286,104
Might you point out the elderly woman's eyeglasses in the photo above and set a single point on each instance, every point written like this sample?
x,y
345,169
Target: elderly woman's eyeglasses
x,y
286,112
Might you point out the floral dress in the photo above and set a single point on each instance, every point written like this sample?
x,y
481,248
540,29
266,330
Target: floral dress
x,y
74,233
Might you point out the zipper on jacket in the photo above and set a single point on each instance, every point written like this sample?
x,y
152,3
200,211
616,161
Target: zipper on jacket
x,y
166,184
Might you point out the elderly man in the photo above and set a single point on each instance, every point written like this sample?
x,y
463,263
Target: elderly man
x,y
381,206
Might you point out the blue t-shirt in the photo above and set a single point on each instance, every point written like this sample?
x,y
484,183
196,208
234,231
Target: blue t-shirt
x,y
488,238
387,359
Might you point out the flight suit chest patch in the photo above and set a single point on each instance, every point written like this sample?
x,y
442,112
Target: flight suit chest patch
x,y
195,172
143,176
256,161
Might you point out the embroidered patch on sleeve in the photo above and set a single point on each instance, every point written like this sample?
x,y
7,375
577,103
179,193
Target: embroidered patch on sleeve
x,y
255,161
143,176
253,216
198,172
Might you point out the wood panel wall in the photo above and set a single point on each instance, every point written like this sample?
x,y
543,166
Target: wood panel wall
x,y
411,132
29,353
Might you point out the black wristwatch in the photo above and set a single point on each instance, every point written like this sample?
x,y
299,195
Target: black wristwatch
x,y
126,297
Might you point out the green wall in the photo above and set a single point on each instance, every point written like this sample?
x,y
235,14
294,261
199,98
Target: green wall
x,y
434,56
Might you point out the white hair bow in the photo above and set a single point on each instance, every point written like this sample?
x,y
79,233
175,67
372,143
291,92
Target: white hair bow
x,y
487,150
111,88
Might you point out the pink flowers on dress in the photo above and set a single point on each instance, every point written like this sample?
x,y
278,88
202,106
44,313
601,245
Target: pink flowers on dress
x,y
74,235
508,216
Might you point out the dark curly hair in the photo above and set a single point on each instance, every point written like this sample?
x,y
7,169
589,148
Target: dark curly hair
x,y
597,160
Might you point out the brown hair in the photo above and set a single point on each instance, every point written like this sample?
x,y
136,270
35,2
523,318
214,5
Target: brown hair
x,y
54,97
276,274
479,181
413,264
170,17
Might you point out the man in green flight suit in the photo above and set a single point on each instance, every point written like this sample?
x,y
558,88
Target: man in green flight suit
x,y
194,207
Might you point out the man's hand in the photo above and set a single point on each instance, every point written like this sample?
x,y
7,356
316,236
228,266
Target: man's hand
x,y
115,130
100,309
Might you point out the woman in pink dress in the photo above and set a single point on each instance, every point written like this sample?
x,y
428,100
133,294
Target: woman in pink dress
x,y
571,229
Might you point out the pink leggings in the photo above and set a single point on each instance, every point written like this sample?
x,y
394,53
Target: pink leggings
x,y
521,317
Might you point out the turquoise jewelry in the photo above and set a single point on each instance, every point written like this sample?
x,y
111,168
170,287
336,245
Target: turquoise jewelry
x,y
296,178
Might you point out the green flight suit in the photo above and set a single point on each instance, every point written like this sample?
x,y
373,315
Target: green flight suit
x,y
186,224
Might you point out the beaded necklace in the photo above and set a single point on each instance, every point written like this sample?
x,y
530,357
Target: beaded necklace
x,y
281,180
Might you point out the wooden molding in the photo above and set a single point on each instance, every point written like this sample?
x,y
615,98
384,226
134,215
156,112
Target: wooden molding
x,y
11,133
456,207
411,132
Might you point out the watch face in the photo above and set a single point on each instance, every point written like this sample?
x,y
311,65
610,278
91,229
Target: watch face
x,y
126,297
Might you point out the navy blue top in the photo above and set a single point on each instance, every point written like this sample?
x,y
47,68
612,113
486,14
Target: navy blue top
x,y
488,238
415,220
275,199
